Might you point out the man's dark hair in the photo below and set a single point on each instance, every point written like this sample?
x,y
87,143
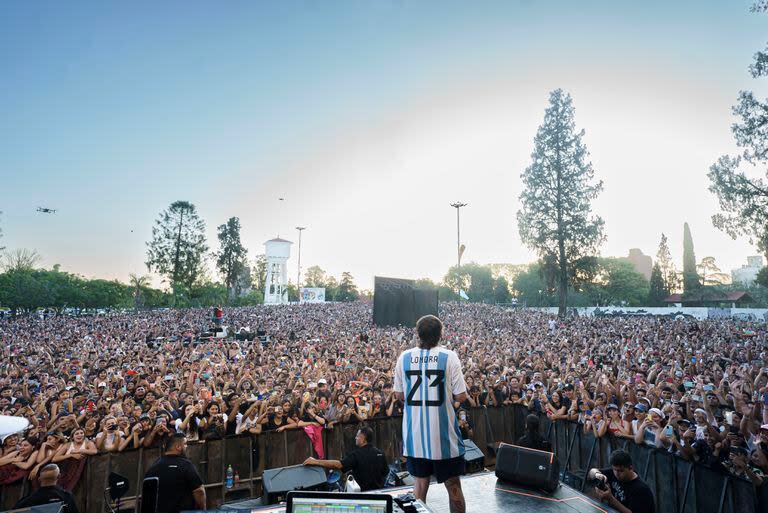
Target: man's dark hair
x,y
532,424
175,440
620,458
430,329
367,433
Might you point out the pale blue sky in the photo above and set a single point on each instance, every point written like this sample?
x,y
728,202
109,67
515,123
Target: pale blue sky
x,y
368,117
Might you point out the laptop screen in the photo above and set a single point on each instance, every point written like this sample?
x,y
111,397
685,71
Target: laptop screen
x,y
309,502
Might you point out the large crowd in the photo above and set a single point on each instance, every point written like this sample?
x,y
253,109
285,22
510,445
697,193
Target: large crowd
x,y
118,382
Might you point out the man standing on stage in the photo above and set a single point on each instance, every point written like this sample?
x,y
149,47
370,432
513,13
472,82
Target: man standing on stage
x,y
428,379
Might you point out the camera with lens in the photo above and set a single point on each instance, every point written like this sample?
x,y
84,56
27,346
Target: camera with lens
x,y
600,484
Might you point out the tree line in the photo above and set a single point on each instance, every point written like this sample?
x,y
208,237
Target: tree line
x,y
179,253
612,282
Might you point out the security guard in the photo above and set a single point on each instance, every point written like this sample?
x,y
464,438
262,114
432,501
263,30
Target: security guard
x,y
49,492
180,485
367,463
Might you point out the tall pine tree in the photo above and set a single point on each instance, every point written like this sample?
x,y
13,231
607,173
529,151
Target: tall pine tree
x,y
556,218
667,267
658,289
691,281
178,245
231,258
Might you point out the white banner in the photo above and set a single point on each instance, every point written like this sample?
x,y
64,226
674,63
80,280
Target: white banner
x,y
312,295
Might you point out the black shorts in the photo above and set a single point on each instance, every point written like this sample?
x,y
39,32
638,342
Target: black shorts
x,y
441,469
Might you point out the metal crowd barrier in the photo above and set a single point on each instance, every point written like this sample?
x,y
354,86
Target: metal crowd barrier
x,y
679,486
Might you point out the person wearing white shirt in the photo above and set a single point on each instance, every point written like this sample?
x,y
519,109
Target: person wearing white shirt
x,y
428,378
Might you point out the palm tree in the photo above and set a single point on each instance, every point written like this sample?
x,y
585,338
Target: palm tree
x,y
138,283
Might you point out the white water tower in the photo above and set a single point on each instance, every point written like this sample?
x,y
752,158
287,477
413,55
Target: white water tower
x,y
278,251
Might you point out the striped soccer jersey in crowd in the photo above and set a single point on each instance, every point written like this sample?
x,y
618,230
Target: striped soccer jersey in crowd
x,y
429,378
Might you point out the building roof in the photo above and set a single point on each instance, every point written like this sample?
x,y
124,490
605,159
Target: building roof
x,y
278,239
710,296
738,296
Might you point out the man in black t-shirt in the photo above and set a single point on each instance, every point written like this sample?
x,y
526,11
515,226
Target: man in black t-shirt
x,y
48,492
367,463
180,486
620,486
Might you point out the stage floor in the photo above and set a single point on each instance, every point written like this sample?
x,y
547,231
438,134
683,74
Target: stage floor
x,y
483,493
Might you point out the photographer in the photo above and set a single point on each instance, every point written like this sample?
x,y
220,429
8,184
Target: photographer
x,y
620,487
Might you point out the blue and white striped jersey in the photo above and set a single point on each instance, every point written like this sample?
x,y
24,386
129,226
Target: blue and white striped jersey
x,y
429,378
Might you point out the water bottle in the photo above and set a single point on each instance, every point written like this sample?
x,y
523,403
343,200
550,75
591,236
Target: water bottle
x,y
230,482
237,478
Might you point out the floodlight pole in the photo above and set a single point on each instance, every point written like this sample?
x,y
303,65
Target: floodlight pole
x,y
457,205
298,270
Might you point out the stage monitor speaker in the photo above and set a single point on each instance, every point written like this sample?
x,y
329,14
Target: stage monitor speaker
x,y
473,456
118,485
277,482
527,467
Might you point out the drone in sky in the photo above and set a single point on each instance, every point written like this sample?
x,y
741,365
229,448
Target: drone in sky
x,y
45,210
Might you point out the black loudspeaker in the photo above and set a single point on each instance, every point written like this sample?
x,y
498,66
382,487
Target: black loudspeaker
x,y
474,457
393,301
277,482
150,492
528,467
424,302
398,301
118,485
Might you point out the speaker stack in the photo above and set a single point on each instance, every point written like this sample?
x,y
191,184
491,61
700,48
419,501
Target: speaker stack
x,y
474,457
277,482
527,467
